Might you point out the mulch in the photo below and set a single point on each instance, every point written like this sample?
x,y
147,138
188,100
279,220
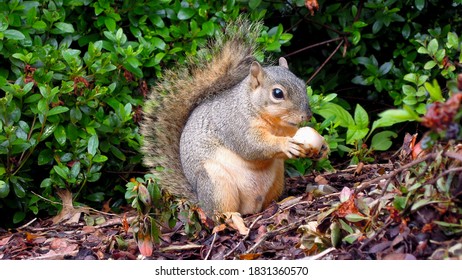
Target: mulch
x,y
282,231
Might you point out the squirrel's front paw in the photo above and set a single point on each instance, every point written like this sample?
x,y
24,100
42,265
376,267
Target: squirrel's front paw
x,y
292,148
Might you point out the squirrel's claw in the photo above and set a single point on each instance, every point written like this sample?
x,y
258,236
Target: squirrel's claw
x,y
293,148
298,149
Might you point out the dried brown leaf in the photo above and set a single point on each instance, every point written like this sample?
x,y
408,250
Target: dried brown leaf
x,y
312,5
238,223
219,228
249,256
321,180
68,214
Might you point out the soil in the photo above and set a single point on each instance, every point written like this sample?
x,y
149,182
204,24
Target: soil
x,y
306,224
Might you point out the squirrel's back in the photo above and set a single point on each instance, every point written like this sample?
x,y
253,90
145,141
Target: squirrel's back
x,y
224,63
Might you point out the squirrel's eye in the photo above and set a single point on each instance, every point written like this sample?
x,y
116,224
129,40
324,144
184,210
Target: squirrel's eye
x,y
278,93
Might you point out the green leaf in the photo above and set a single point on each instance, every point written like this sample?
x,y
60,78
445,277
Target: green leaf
x,y
19,190
406,31
39,25
45,156
359,24
60,135
351,238
186,13
420,203
93,144
422,50
385,68
377,26
133,61
100,158
131,65
70,55
433,47
65,27
434,91
354,134
420,4
208,27
409,90
46,183
42,106
12,34
394,116
338,113
4,189
57,110
440,55
399,202
355,218
62,171
453,40
158,43
359,80
429,65
381,141
411,77
345,226
335,235
410,100
75,169
116,152
253,4
361,117
19,217
48,131
110,24
75,114
356,37
96,197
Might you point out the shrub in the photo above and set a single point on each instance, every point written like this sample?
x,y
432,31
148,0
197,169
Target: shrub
x,y
74,76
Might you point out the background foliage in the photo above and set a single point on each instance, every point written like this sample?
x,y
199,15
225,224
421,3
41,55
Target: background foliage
x,y
74,73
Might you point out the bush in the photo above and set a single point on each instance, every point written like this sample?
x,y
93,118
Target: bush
x,y
75,74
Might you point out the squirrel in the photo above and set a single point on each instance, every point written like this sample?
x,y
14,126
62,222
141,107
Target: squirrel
x,y
221,126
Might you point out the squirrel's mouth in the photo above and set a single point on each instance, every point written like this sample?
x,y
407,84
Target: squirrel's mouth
x,y
292,124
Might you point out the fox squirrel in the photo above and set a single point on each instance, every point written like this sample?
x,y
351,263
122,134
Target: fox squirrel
x,y
222,125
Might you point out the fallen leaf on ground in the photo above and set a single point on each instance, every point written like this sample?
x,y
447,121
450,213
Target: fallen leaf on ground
x,y
68,214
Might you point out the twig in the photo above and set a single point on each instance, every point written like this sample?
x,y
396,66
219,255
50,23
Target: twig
x,y
313,46
367,184
27,224
89,208
433,180
358,13
243,239
320,255
325,62
46,199
211,246
369,240
453,155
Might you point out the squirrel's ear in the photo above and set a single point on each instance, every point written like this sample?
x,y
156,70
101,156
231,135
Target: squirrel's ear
x,y
283,63
256,75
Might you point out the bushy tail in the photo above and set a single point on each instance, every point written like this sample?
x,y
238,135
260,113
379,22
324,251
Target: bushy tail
x,y
221,65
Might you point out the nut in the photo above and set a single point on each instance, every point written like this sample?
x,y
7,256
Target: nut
x,y
310,138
